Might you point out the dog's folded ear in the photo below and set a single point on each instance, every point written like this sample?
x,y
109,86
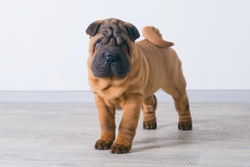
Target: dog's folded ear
x,y
93,27
132,31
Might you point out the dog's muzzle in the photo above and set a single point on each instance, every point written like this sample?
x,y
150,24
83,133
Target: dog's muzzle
x,y
108,63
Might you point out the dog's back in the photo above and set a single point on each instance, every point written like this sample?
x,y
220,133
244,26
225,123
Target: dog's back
x,y
159,61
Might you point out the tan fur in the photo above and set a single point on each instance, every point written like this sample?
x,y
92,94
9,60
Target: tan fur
x,y
154,65
154,36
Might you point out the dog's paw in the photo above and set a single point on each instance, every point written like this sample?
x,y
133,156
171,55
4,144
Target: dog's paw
x,y
185,125
103,144
119,149
150,125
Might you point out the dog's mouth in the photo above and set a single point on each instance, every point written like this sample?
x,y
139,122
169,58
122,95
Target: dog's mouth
x,y
110,64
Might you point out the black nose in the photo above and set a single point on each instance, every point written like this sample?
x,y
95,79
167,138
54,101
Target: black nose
x,y
110,59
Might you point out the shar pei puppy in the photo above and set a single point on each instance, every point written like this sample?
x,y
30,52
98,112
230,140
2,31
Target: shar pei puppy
x,y
124,75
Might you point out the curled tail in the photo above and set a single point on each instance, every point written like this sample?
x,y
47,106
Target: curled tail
x,y
154,36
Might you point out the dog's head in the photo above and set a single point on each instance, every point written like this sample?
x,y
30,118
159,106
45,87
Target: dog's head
x,y
111,43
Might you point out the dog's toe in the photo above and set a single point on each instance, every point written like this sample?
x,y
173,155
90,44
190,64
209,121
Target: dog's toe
x,y
150,125
185,125
102,145
119,149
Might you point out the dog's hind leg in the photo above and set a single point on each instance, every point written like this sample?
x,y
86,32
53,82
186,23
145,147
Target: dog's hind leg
x,y
175,85
148,107
182,107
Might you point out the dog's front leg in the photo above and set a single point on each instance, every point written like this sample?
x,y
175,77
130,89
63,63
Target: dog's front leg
x,y
128,125
107,122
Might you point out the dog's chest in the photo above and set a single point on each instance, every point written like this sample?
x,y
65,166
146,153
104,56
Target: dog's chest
x,y
113,96
114,103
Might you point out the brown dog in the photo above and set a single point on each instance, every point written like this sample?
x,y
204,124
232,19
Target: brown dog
x,y
125,75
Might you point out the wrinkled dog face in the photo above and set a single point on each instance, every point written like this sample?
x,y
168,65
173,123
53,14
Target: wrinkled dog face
x,y
111,54
111,47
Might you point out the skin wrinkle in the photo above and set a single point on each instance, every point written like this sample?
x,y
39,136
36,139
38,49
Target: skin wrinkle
x,y
109,33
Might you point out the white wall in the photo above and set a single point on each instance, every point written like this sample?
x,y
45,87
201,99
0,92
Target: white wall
x,y
43,45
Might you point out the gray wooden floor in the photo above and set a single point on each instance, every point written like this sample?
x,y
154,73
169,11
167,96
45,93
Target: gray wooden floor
x,y
63,134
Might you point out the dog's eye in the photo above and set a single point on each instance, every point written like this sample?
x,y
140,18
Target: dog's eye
x,y
124,42
99,41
